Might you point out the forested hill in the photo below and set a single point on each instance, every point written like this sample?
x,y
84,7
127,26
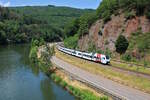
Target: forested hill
x,y
54,15
21,24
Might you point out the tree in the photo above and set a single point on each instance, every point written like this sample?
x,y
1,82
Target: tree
x,y
121,44
72,28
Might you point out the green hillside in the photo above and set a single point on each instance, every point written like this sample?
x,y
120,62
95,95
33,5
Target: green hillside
x,y
21,24
53,15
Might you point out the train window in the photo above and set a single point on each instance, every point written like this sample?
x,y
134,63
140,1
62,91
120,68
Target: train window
x,y
79,53
107,57
103,58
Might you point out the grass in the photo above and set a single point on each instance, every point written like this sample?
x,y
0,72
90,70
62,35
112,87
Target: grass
x,y
81,94
131,67
129,80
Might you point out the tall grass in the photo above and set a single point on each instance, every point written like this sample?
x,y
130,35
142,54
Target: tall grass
x,y
81,94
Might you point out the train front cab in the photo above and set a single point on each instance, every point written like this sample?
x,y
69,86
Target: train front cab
x,y
105,59
102,59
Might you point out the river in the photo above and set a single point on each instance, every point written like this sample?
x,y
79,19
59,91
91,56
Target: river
x,y
19,80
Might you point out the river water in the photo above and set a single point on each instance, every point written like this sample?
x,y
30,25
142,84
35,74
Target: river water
x,y
19,80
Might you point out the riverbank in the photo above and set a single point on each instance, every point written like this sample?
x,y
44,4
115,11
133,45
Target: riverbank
x,y
76,88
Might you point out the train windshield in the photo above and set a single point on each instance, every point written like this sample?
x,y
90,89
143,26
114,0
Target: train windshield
x,y
107,57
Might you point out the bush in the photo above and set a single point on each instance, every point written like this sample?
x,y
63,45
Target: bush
x,y
121,44
33,54
145,64
63,84
108,52
106,16
58,79
126,57
70,88
109,7
85,22
104,98
129,15
100,51
71,42
148,14
91,47
53,75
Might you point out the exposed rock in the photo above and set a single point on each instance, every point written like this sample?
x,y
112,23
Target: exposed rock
x,y
111,30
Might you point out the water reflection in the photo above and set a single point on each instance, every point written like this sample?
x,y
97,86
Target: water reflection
x,y
19,80
47,91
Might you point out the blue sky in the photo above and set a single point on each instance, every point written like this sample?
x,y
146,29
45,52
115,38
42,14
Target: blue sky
x,y
71,3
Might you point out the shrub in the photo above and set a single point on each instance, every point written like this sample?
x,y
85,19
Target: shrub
x,y
70,88
58,79
71,42
63,84
121,44
53,75
145,64
100,51
104,98
108,52
85,22
106,16
126,57
129,15
148,14
91,47
33,54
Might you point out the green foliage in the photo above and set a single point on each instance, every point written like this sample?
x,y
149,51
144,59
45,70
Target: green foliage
x,y
85,22
91,47
141,43
33,54
144,44
63,84
100,51
109,7
108,52
126,57
58,79
129,15
121,44
2,37
71,42
148,14
145,64
71,28
80,94
106,16
21,24
34,48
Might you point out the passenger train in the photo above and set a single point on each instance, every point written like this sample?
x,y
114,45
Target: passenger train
x,y
99,58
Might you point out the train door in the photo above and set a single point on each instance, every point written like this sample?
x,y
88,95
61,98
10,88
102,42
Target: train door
x,y
98,58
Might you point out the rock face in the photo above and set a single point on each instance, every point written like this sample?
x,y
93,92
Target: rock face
x,y
105,35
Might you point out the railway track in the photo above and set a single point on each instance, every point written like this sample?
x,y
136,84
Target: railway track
x,y
109,87
131,72
123,70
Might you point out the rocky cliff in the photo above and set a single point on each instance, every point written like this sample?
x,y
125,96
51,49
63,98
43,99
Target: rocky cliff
x,y
104,35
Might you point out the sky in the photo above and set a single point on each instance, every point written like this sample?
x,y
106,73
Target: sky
x,y
92,4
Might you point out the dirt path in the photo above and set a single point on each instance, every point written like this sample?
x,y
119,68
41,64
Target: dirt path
x,y
103,83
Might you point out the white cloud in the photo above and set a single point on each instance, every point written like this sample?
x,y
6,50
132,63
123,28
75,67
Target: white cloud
x,y
7,4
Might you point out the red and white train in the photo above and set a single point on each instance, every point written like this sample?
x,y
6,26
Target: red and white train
x,y
100,58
